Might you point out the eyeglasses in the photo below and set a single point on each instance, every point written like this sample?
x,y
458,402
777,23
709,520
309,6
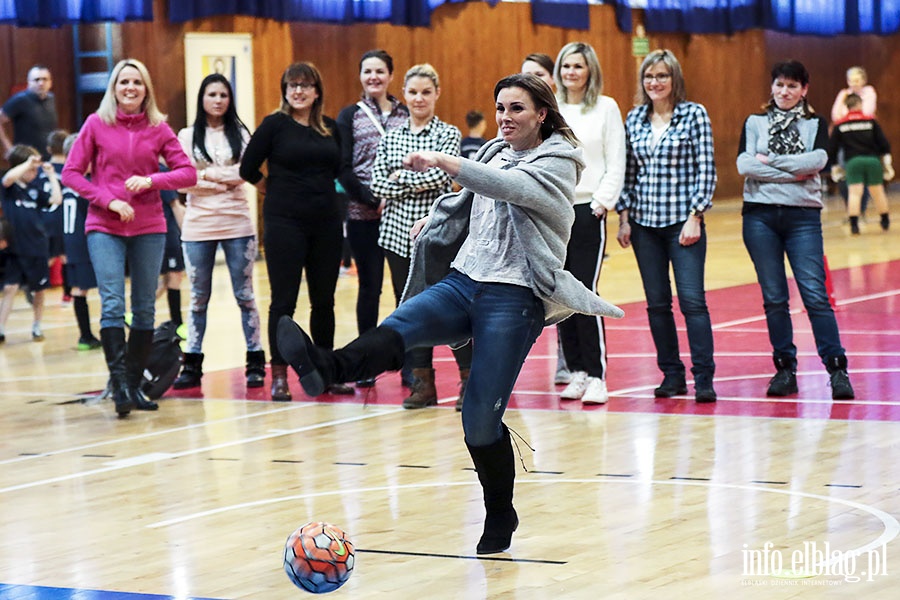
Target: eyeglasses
x,y
659,78
300,85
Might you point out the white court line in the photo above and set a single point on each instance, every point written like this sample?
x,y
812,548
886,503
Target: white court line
x,y
891,525
162,432
795,311
157,457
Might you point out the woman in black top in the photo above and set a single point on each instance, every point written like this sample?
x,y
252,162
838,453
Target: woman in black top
x,y
302,220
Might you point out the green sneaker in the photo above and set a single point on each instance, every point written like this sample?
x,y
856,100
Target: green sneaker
x,y
88,343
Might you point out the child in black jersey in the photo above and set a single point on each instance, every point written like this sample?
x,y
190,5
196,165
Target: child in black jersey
x,y
23,196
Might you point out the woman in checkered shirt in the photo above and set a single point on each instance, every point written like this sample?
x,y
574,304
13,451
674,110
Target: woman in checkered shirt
x,y
406,197
670,178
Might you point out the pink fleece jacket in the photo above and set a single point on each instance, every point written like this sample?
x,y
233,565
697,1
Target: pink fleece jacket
x,y
110,154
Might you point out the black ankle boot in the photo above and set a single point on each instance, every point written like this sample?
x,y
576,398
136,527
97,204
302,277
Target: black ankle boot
x,y
256,368
784,383
496,468
672,385
885,221
140,342
191,372
374,352
113,340
840,380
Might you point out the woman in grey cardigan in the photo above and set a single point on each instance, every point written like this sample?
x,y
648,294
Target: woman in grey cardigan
x,y
488,266
781,154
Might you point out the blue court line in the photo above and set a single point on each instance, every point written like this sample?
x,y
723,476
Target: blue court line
x,y
31,592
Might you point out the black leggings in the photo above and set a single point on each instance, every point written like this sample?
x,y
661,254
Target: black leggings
x,y
293,246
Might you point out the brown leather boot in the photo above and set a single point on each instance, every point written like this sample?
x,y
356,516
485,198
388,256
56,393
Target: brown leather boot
x,y
280,390
463,382
423,391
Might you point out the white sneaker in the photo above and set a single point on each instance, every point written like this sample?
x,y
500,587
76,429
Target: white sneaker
x,y
576,387
595,392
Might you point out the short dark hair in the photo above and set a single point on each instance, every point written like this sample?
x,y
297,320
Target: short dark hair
x,y
853,101
381,55
474,118
55,141
791,69
20,153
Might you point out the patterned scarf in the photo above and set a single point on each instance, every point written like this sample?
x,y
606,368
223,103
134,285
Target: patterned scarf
x,y
784,136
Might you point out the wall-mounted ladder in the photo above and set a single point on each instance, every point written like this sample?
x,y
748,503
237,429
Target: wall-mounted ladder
x,y
90,79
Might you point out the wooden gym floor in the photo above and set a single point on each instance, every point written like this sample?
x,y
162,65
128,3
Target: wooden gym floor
x,y
640,498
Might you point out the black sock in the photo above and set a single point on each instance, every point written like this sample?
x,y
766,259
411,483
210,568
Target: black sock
x,y
79,303
175,306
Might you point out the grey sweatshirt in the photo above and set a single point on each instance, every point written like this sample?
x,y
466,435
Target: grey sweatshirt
x,y
540,192
777,183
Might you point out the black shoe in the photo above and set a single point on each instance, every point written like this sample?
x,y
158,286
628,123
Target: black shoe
x,y
340,389
854,225
784,383
498,530
840,385
296,347
672,385
191,372
704,394
255,371
366,383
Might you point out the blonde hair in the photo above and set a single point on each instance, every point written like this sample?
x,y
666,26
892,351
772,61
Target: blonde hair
x,y
109,105
595,75
422,70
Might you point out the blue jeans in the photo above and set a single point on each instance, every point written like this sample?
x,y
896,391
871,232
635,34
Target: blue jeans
x,y
109,254
199,259
655,248
770,232
503,322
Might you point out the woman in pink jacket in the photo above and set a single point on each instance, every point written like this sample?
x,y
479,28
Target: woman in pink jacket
x,y
120,147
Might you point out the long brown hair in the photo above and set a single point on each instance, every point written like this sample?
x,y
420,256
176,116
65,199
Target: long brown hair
x,y
305,71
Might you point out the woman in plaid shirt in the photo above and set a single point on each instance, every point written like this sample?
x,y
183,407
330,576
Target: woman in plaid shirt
x,y
670,178
406,197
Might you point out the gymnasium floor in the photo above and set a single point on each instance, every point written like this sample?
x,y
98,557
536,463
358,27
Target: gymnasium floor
x,y
640,498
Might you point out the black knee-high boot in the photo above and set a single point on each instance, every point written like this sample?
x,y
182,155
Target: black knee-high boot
x,y
113,340
140,341
496,468
374,352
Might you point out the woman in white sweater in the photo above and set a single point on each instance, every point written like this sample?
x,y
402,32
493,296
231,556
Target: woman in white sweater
x,y
597,122
218,215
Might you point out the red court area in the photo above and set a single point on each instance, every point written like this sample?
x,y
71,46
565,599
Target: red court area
x,y
866,300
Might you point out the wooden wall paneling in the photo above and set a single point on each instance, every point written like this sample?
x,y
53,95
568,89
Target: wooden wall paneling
x,y
24,47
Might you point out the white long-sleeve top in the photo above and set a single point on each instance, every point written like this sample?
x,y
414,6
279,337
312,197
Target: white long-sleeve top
x,y
602,135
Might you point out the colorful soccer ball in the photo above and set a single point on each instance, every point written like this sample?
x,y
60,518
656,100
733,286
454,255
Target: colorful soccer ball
x,y
318,558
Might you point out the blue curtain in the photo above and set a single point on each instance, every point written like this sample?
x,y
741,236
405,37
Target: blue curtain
x,y
398,12
571,14
53,13
809,17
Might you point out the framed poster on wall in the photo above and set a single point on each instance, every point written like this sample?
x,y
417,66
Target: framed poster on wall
x,y
230,54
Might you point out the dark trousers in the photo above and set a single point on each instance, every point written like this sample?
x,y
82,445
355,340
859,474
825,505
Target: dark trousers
x,y
420,358
583,337
294,246
363,239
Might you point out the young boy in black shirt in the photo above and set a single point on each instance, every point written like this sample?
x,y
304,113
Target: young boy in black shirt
x,y
23,195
